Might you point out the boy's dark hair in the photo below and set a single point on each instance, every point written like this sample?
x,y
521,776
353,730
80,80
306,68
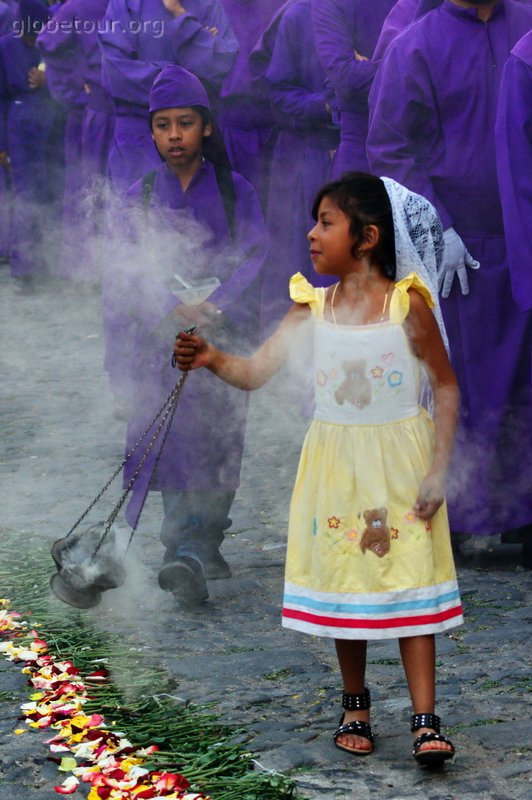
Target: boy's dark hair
x,y
364,200
213,145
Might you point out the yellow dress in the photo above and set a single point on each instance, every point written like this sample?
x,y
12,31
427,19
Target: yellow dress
x,y
360,564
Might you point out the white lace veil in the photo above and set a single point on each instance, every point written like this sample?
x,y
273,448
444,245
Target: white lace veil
x,y
418,241
418,248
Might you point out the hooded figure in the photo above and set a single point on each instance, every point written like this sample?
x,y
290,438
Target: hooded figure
x,y
202,223
432,127
29,126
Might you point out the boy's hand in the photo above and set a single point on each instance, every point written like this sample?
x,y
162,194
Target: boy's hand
x,y
4,159
430,496
192,352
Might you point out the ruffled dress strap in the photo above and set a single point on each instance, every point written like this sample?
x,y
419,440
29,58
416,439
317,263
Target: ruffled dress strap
x,y
400,300
301,291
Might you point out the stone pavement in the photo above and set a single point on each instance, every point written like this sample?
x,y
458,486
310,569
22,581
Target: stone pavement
x,y
59,443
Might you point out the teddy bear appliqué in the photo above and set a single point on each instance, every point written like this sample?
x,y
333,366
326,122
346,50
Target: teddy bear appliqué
x,y
356,387
376,536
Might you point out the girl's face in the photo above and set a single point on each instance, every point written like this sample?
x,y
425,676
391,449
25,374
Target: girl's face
x,y
330,240
178,135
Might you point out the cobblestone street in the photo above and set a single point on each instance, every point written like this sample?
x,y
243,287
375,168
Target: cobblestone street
x,y
60,442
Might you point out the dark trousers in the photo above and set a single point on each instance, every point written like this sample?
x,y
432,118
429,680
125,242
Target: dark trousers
x,y
194,523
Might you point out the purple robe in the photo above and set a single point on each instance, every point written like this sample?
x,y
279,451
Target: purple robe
x,y
70,47
7,15
204,448
514,167
302,151
401,15
28,120
439,140
131,60
245,115
342,26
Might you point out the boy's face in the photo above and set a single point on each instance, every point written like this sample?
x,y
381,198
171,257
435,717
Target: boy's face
x,y
178,135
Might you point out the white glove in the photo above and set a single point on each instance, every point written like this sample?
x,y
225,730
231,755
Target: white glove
x,y
455,260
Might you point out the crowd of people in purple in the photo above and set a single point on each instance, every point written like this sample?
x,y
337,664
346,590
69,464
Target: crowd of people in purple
x,y
436,94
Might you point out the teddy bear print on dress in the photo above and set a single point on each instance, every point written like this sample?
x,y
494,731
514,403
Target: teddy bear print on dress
x,y
376,536
356,387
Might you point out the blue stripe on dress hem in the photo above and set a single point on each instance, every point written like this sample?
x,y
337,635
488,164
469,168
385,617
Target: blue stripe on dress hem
x,y
360,608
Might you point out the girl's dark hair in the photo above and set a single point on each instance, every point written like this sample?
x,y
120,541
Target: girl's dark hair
x,y
213,145
364,201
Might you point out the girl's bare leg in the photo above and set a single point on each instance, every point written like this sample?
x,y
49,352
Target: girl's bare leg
x,y
419,661
352,659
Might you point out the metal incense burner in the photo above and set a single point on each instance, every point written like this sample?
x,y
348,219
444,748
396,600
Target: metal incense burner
x,y
85,569
88,561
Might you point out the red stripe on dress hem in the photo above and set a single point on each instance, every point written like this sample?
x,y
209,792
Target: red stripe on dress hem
x,y
398,622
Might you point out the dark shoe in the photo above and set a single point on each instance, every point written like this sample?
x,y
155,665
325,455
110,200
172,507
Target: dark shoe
x,y
215,566
429,757
185,578
355,702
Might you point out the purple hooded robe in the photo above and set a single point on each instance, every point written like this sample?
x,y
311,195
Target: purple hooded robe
x,y
439,140
514,167
28,129
245,115
340,27
138,39
71,52
302,151
204,448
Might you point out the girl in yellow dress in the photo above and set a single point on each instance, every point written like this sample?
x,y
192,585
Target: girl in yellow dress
x,y
369,553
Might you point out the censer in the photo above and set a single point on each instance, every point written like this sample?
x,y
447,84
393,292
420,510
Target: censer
x,y
89,561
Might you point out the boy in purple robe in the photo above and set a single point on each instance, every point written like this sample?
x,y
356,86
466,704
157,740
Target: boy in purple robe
x,y
245,115
138,39
432,127
306,138
514,167
70,48
346,33
191,195
28,120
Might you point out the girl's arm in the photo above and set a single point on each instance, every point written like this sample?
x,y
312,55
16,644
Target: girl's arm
x,y
193,352
427,344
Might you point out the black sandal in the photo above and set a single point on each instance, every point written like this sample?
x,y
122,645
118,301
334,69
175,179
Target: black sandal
x,y
430,758
355,702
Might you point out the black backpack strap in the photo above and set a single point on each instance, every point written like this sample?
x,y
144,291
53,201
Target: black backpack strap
x,y
224,179
147,189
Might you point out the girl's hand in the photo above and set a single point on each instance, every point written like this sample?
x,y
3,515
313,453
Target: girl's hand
x,y
430,496
192,352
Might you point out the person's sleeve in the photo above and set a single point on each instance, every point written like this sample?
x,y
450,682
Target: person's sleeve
x,y
251,246
65,70
208,56
403,122
288,94
514,169
351,79
125,77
